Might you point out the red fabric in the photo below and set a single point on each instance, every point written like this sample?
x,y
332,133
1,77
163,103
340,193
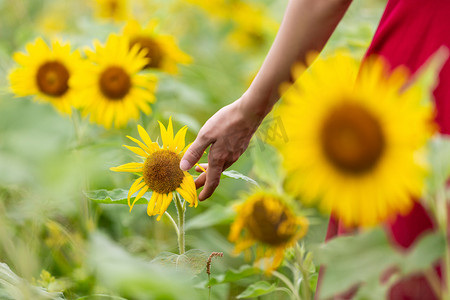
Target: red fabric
x,y
410,31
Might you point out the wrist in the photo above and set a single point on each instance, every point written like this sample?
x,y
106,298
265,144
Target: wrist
x,y
254,107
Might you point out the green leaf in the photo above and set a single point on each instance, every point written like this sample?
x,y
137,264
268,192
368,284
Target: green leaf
x,y
257,289
14,287
350,260
193,261
116,196
363,258
267,163
217,214
425,252
237,175
234,275
427,77
439,158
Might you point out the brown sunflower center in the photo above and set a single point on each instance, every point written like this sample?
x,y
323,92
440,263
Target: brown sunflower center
x,y
352,139
115,83
154,51
264,225
112,6
162,171
52,79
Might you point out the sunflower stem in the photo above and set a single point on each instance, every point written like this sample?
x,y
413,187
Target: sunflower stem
x,y
287,282
181,209
300,260
84,202
175,226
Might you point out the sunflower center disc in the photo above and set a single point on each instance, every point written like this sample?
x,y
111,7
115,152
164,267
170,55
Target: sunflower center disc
x,y
115,83
264,227
162,171
113,6
352,139
52,79
154,51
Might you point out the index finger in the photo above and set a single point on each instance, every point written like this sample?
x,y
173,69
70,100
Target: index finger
x,y
194,153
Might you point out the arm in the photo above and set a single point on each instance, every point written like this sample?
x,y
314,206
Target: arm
x,y
307,26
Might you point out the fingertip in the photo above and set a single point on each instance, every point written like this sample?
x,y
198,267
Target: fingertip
x,y
185,165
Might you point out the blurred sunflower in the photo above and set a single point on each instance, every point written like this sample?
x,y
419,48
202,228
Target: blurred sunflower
x,y
264,219
45,72
110,88
160,171
355,139
161,50
216,8
115,10
253,26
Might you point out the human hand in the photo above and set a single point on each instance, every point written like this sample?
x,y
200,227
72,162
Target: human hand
x,y
228,132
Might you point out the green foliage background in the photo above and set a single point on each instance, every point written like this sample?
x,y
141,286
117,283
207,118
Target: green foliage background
x,y
57,244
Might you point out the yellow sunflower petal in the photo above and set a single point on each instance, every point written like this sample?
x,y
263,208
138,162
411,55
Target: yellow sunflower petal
x,y
179,140
140,144
137,150
144,136
134,188
129,167
139,196
165,205
151,204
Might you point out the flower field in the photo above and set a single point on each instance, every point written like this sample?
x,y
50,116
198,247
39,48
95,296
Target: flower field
x,y
99,101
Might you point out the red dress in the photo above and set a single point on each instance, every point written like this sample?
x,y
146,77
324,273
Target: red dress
x,y
409,32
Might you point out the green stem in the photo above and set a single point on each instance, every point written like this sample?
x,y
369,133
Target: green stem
x,y
175,226
84,202
287,282
306,289
181,208
287,291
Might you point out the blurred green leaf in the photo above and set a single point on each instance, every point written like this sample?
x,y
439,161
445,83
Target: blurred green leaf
x,y
13,287
350,260
439,158
257,289
193,261
425,252
234,275
267,164
237,175
427,77
133,277
116,196
215,215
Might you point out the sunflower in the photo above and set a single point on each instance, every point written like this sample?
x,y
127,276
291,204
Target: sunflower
x,y
161,50
115,10
253,27
159,171
265,220
356,139
110,88
45,72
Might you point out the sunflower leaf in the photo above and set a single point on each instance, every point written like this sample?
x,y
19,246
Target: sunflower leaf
x,y
236,175
257,289
234,275
193,261
351,260
116,196
215,215
439,158
427,77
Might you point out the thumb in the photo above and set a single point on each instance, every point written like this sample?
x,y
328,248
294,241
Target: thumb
x,y
194,153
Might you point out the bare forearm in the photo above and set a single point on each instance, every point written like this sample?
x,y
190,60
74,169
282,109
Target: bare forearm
x,y
306,27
